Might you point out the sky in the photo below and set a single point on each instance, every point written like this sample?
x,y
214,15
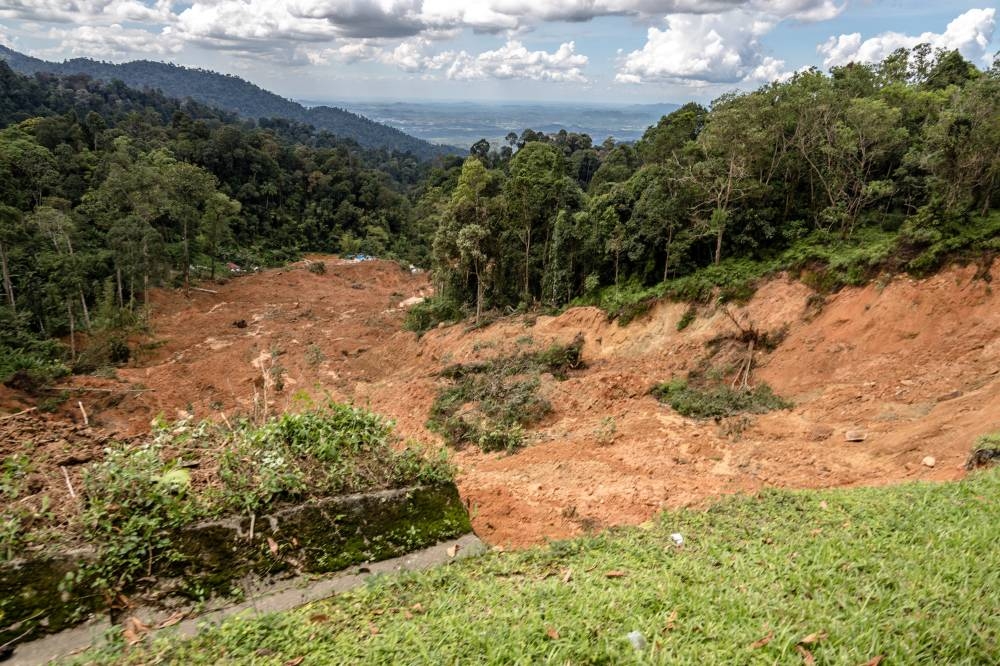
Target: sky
x,y
613,51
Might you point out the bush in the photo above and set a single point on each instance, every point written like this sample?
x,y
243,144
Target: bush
x,y
717,401
489,403
687,318
424,316
136,497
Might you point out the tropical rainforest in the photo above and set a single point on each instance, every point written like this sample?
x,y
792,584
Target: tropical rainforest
x,y
107,191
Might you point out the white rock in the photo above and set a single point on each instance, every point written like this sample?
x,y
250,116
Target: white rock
x,y
929,461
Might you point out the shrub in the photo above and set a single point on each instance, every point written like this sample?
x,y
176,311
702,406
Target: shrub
x,y
717,401
687,318
424,316
488,403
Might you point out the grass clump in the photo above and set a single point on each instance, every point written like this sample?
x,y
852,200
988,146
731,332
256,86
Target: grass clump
x,y
687,318
424,316
986,451
135,498
333,450
489,403
717,400
901,574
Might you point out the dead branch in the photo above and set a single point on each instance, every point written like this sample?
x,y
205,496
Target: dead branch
x,y
88,389
20,413
69,485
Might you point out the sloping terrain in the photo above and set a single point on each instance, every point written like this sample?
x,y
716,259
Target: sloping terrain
x,y
912,364
231,93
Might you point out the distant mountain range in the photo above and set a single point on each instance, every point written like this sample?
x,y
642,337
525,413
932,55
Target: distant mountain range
x,y
233,94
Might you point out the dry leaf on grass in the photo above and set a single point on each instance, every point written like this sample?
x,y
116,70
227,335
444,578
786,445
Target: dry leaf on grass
x,y
372,629
552,633
272,545
807,657
417,607
134,630
319,618
813,638
614,574
567,576
761,642
172,620
874,661
294,662
671,620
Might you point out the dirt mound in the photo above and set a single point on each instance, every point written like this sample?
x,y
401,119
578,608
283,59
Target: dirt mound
x,y
260,342
912,364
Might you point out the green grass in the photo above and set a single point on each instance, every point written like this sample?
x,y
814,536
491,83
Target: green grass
x,y
718,400
489,402
134,499
907,572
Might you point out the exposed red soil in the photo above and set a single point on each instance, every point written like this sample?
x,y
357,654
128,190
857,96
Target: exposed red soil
x,y
914,364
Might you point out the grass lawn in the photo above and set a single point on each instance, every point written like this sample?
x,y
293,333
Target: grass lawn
x,y
907,573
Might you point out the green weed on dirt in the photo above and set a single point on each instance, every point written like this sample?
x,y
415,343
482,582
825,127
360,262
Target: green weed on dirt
x,y
903,575
717,401
489,403
134,499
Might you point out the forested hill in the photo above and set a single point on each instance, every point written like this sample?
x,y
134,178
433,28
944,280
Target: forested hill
x,y
234,94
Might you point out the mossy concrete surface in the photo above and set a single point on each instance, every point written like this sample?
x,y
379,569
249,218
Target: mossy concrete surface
x,y
215,557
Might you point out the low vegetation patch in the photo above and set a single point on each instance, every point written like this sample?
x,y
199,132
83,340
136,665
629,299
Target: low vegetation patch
x,y
489,403
424,316
139,493
822,259
986,451
900,575
718,400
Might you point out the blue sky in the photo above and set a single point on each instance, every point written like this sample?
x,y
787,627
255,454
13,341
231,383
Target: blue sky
x,y
618,51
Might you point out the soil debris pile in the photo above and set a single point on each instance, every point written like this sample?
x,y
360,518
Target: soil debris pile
x,y
911,364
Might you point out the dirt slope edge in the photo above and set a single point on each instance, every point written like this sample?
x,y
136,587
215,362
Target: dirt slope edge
x,y
912,363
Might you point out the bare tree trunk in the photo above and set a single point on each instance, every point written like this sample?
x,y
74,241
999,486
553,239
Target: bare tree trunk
x,y
479,294
527,265
7,286
118,278
666,262
187,258
86,312
72,330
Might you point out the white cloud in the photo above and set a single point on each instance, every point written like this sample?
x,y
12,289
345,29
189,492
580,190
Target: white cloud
x,y
115,42
398,32
702,50
511,61
971,33
252,24
87,11
7,39
514,61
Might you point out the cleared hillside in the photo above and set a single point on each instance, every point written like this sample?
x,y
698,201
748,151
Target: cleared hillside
x,y
911,364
